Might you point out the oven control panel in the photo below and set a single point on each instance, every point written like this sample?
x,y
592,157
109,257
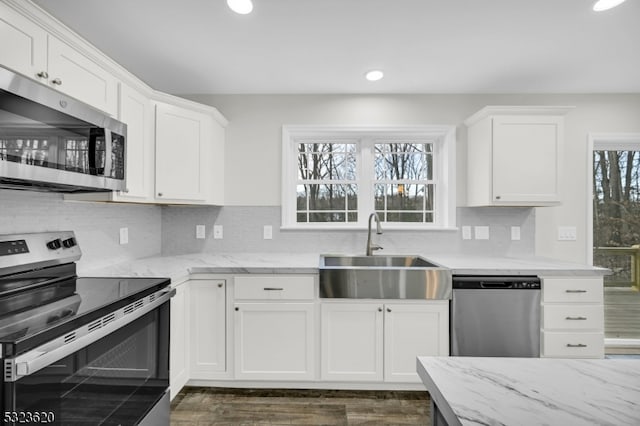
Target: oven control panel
x,y
37,249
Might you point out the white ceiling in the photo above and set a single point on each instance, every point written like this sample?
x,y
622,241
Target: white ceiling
x,y
326,46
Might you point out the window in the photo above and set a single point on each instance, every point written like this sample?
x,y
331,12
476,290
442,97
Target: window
x,y
335,177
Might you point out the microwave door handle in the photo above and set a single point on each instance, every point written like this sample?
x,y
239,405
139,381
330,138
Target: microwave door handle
x,y
43,356
108,151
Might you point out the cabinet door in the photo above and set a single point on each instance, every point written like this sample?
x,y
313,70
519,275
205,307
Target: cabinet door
x,y
352,341
526,152
180,159
274,341
76,75
411,331
24,44
207,328
137,113
179,346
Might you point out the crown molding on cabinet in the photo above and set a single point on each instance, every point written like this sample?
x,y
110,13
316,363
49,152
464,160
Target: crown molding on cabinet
x,y
516,110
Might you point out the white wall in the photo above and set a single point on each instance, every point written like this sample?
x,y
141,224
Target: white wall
x,y
253,158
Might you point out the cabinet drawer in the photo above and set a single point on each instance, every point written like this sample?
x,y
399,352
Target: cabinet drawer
x,y
573,317
580,290
572,345
274,288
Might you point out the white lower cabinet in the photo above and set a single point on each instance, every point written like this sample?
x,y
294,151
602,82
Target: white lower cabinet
x,y
376,341
410,331
207,328
351,341
179,340
572,317
274,341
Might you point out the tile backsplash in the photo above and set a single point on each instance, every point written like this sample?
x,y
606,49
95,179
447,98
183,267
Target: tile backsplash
x,y
243,231
171,230
96,225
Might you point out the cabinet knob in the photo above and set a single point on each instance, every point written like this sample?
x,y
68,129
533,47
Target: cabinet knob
x,y
56,81
43,74
159,194
219,285
237,309
379,309
497,197
388,310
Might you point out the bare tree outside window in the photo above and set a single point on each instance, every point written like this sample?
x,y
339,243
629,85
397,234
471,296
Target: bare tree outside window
x,y
326,190
404,189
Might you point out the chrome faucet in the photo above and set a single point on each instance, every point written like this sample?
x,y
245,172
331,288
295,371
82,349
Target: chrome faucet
x,y
371,247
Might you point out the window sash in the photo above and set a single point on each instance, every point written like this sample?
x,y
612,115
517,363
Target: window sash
x,y
440,149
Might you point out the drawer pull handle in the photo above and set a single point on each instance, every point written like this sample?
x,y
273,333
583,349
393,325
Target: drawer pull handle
x,y
576,318
576,291
578,345
273,289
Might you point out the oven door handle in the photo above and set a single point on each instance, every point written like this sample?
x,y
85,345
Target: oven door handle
x,y
42,356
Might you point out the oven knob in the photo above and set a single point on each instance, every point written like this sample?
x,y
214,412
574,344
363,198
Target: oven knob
x,y
69,242
54,244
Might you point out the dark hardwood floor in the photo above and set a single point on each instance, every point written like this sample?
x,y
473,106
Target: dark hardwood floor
x,y
197,406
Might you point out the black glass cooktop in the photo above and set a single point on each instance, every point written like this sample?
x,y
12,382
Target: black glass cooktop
x,y
41,313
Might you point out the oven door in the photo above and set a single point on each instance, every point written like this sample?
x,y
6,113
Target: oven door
x,y
122,378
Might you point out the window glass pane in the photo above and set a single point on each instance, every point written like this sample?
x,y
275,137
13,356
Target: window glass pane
x,y
403,161
326,161
327,197
326,217
326,203
400,198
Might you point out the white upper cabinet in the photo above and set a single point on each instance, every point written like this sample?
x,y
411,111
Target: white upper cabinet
x,y
30,50
514,156
189,166
136,111
76,75
24,44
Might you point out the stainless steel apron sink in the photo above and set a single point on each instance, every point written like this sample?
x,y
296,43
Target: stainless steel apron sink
x,y
383,277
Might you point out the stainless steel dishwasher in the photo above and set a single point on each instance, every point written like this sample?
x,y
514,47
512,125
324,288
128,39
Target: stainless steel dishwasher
x,y
495,316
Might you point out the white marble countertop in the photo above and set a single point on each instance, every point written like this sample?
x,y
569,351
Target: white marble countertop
x,y
178,268
533,391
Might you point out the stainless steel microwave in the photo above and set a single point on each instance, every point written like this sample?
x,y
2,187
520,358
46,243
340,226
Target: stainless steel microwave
x,y
52,142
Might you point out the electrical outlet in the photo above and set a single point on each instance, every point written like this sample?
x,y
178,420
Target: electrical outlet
x,y
567,233
217,232
267,232
200,232
515,233
482,232
466,232
124,236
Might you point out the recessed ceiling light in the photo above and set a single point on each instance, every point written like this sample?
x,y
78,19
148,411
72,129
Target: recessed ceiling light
x,y
374,75
242,7
601,5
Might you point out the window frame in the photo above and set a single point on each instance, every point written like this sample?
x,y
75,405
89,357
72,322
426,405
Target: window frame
x,y
444,162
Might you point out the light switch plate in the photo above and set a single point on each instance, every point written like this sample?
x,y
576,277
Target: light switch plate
x,y
200,232
482,232
217,232
515,233
466,232
124,236
267,232
567,233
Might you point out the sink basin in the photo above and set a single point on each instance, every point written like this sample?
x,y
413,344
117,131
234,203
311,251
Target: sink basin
x,y
383,277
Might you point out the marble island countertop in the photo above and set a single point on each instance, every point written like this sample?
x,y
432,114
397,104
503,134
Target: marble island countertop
x,y
533,391
178,268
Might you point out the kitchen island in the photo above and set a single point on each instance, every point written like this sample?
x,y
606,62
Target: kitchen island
x,y
532,391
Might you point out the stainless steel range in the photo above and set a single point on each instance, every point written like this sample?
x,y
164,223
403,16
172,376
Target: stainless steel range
x,y
79,350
